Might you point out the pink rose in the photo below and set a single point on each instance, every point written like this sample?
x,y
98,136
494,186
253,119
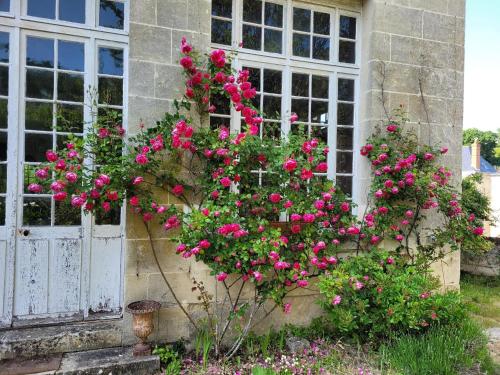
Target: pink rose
x,y
290,165
42,174
478,231
77,201
275,197
141,159
51,156
345,206
71,177
134,201
60,196
177,190
322,167
137,180
35,188
391,128
186,62
293,118
336,300
225,181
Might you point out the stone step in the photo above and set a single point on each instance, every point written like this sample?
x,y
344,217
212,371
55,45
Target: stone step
x,y
46,341
109,361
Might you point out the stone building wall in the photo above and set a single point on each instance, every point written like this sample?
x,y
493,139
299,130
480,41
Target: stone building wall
x,y
419,45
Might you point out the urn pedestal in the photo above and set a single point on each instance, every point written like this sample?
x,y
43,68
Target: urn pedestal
x,y
142,312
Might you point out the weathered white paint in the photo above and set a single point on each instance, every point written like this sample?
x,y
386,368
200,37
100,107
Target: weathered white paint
x,y
106,273
47,273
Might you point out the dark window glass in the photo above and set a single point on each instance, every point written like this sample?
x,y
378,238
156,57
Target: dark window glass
x,y
256,101
272,81
42,8
301,108
35,146
3,113
70,118
38,116
111,14
65,214
72,10
252,11
273,15
111,90
347,51
3,178
4,47
221,32
40,52
222,104
71,56
218,122
272,130
346,90
300,84
320,132
36,211
63,140
345,184
319,112
345,114
3,146
301,19
252,37
347,27
320,87
301,45
272,107
272,40
111,61
344,162
70,87
109,218
4,5
321,48
254,77
321,23
344,138
222,8
4,80
39,84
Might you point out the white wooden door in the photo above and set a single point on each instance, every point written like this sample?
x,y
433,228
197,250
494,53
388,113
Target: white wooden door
x,y
65,266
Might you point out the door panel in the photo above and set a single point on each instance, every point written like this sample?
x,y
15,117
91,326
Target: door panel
x,y
3,275
31,277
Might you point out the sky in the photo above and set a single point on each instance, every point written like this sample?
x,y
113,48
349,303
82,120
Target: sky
x,y
482,65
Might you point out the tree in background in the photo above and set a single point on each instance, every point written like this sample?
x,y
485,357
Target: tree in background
x,y
489,143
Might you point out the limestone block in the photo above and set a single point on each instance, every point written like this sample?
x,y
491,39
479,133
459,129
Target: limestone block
x,y
143,11
440,6
427,109
172,13
136,228
198,16
168,82
140,258
136,288
173,325
150,43
456,8
146,110
456,57
397,100
198,40
401,78
398,20
443,28
406,50
181,284
380,44
448,271
141,78
435,54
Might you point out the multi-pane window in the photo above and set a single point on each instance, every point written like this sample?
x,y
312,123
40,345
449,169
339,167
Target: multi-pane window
x,y
62,10
311,34
4,101
302,59
310,94
262,28
347,39
221,112
111,13
268,84
53,109
286,28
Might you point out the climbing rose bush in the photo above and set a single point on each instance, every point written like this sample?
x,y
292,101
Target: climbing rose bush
x,y
254,211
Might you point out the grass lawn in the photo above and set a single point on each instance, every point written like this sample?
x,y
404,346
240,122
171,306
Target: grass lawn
x,y
482,295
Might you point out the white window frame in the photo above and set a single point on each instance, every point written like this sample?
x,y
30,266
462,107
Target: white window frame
x,y
18,26
288,64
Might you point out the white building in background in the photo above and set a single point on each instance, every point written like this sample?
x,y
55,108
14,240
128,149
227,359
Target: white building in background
x,y
472,162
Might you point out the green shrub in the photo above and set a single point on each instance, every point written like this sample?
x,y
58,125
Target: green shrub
x,y
443,350
169,359
374,295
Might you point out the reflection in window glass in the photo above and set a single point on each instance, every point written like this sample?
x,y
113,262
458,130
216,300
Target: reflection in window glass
x,y
72,10
262,33
311,36
40,52
4,80
42,8
71,56
38,116
4,5
222,11
3,113
111,61
4,47
35,146
39,84
347,27
36,211
111,14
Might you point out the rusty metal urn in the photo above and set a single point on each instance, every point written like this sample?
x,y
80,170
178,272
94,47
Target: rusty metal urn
x,y
142,312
